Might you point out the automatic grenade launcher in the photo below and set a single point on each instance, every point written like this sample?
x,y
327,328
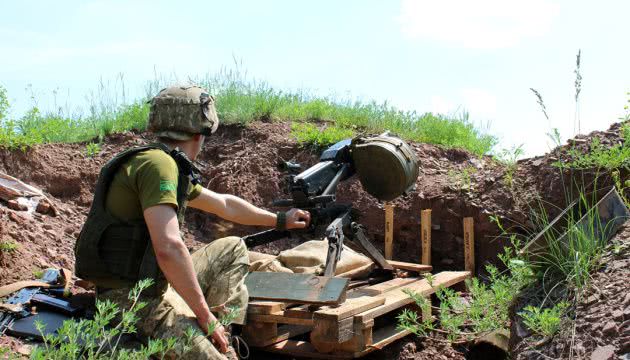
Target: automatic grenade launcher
x,y
387,168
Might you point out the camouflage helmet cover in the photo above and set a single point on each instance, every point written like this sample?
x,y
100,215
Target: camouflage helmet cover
x,y
179,112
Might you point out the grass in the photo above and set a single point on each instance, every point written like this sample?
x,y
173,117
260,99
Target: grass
x,y
240,100
310,134
8,246
573,250
571,257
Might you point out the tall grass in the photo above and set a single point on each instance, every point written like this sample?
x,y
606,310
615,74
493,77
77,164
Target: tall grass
x,y
241,100
572,251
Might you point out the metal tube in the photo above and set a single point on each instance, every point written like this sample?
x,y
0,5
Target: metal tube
x,y
330,189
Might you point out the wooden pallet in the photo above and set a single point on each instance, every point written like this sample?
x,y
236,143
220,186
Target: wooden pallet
x,y
350,330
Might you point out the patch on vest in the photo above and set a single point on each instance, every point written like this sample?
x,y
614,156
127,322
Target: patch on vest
x,y
166,185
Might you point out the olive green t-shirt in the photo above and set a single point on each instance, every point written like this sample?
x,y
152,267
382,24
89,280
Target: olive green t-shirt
x,y
147,179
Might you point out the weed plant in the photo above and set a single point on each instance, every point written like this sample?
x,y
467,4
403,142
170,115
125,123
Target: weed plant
x,y
461,180
600,157
509,158
92,149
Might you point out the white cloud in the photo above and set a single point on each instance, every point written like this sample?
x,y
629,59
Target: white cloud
x,y
476,23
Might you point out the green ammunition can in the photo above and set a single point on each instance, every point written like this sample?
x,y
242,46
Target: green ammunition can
x,y
386,165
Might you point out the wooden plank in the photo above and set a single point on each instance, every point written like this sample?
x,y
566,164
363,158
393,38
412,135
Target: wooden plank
x,y
296,288
265,307
302,349
265,334
260,334
301,312
361,341
469,245
386,286
352,341
397,298
333,331
280,319
350,307
382,337
389,231
425,233
419,268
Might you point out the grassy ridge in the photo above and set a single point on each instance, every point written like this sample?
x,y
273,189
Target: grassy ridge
x,y
243,101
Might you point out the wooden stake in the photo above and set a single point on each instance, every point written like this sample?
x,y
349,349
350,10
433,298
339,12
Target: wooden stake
x,y
389,231
469,245
425,226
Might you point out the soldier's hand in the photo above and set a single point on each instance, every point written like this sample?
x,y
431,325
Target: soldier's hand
x,y
219,339
298,219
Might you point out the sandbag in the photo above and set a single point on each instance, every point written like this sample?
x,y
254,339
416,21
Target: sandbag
x,y
310,258
386,165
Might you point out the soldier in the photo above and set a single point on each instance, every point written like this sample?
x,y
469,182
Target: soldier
x,y
133,229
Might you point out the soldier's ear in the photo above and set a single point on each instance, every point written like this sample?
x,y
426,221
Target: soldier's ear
x,y
197,137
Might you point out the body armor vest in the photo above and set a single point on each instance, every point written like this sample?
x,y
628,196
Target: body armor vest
x,y
114,253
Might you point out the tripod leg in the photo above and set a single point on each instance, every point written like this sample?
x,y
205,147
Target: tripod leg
x,y
335,246
368,249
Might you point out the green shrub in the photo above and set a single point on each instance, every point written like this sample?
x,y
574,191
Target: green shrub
x,y
8,246
485,311
7,354
97,339
544,322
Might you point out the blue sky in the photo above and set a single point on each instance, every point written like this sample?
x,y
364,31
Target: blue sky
x,y
441,56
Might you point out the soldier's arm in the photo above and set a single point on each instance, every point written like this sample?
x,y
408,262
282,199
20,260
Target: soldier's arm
x,y
235,209
175,261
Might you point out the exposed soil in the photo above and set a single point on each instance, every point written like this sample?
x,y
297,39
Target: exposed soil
x,y
242,161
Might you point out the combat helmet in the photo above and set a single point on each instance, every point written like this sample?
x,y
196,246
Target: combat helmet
x,y
179,112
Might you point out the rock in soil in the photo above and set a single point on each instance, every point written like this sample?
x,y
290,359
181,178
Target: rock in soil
x,y
603,353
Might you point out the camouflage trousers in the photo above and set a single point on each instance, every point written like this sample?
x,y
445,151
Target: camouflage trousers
x,y
221,267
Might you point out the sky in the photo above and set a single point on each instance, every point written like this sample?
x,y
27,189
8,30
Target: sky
x,y
445,56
